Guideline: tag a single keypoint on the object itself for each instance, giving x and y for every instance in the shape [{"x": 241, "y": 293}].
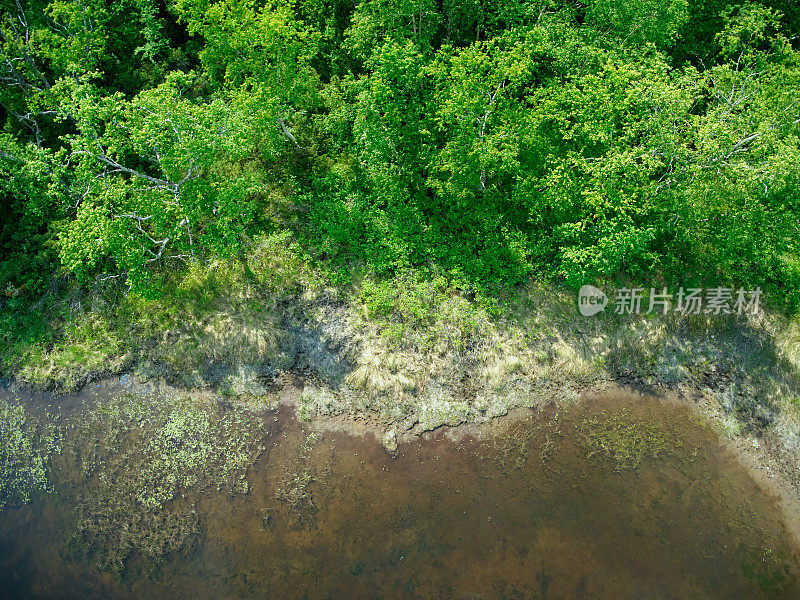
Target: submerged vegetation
[
  {"x": 336, "y": 512},
  {"x": 627, "y": 441},
  {"x": 294, "y": 487},
  {"x": 25, "y": 453},
  {"x": 142, "y": 463}
]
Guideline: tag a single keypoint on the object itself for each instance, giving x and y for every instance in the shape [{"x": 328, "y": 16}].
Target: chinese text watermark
[{"x": 686, "y": 301}]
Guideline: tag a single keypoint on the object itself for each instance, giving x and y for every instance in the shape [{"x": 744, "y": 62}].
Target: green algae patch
[
  {"x": 626, "y": 440},
  {"x": 26, "y": 446},
  {"x": 141, "y": 464}
]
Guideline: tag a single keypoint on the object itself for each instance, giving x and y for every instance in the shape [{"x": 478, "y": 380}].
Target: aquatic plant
[
  {"x": 293, "y": 489},
  {"x": 24, "y": 455},
  {"x": 145, "y": 460},
  {"x": 625, "y": 439},
  {"x": 771, "y": 571}
]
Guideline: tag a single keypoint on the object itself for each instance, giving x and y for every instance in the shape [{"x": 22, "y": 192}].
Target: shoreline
[{"x": 772, "y": 476}]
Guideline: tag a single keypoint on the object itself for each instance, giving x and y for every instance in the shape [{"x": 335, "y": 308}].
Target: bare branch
[
  {"x": 11, "y": 158},
  {"x": 118, "y": 168},
  {"x": 289, "y": 134}
]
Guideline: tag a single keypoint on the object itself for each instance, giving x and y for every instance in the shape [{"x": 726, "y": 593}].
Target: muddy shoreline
[{"x": 777, "y": 479}]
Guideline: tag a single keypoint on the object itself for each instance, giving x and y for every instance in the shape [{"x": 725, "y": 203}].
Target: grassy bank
[{"x": 413, "y": 353}]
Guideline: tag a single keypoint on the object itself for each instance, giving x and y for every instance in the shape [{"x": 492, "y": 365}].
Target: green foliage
[
  {"x": 184, "y": 204},
  {"x": 489, "y": 143},
  {"x": 636, "y": 23},
  {"x": 424, "y": 312},
  {"x": 279, "y": 265},
  {"x": 30, "y": 206}
]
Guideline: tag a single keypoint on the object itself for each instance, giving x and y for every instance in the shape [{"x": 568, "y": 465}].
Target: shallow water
[{"x": 522, "y": 514}]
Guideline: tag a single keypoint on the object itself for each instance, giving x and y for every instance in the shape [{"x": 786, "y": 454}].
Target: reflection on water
[{"x": 522, "y": 514}]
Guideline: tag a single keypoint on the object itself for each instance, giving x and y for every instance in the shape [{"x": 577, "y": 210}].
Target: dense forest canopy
[{"x": 489, "y": 142}]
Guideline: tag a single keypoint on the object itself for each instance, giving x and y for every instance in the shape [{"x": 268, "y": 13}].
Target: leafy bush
[{"x": 484, "y": 144}]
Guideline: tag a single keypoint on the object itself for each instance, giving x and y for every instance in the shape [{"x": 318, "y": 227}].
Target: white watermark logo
[
  {"x": 686, "y": 301},
  {"x": 591, "y": 300}
]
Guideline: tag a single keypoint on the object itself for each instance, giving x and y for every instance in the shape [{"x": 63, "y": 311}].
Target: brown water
[{"x": 521, "y": 514}]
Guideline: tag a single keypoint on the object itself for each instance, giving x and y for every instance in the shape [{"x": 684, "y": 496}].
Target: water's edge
[{"x": 375, "y": 518}]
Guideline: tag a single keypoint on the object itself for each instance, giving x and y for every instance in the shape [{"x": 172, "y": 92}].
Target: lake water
[{"x": 538, "y": 509}]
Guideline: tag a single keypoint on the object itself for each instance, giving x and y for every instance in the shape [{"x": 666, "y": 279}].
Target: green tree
[{"x": 153, "y": 188}]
